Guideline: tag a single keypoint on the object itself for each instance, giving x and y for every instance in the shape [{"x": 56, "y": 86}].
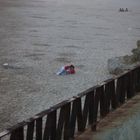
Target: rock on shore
[{"x": 120, "y": 64}]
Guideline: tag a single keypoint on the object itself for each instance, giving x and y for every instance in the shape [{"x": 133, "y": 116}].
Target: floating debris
[
  {"x": 5, "y": 65},
  {"x": 8, "y": 66}
]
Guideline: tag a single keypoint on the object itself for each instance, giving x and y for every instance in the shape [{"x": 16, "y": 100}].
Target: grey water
[{"x": 37, "y": 37}]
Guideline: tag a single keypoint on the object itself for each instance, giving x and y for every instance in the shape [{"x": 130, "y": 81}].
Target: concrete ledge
[{"x": 114, "y": 120}]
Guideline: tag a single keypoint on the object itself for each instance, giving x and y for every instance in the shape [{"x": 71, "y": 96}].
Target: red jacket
[{"x": 69, "y": 70}]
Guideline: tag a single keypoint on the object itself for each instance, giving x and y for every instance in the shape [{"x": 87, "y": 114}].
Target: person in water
[
  {"x": 120, "y": 9},
  {"x": 65, "y": 70},
  {"x": 126, "y": 10}
]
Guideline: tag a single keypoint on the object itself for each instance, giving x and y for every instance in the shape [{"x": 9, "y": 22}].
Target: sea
[{"x": 38, "y": 37}]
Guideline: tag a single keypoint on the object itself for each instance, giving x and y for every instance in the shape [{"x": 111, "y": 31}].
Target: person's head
[{"x": 71, "y": 66}]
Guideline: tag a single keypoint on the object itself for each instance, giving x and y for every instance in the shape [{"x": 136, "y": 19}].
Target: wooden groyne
[
  {"x": 71, "y": 117},
  {"x": 123, "y": 123}
]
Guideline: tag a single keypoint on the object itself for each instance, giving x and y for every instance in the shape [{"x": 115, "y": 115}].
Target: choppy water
[{"x": 37, "y": 37}]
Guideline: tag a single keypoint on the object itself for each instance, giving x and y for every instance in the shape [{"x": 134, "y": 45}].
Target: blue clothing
[{"x": 62, "y": 71}]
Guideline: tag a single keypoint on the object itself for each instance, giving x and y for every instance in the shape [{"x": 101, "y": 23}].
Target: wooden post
[
  {"x": 39, "y": 129},
  {"x": 113, "y": 95},
  {"x": 76, "y": 114},
  {"x": 86, "y": 110},
  {"x": 91, "y": 107},
  {"x": 50, "y": 127},
  {"x": 63, "y": 122},
  {"x": 17, "y": 134},
  {"x": 30, "y": 131},
  {"x": 67, "y": 121},
  {"x": 79, "y": 115},
  {"x": 96, "y": 104},
  {"x": 120, "y": 91},
  {"x": 138, "y": 79},
  {"x": 101, "y": 93}
]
